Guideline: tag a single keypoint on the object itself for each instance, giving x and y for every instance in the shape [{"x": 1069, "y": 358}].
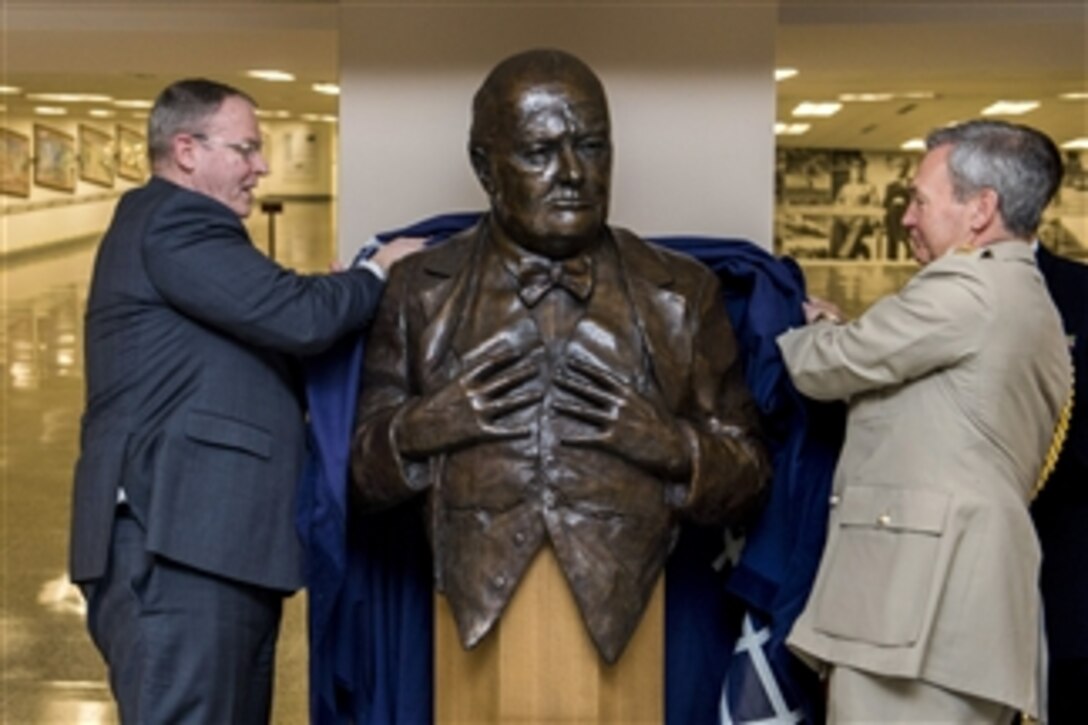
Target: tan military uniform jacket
[{"x": 931, "y": 565}]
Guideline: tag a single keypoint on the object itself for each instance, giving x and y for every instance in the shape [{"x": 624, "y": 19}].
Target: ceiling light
[
  {"x": 329, "y": 89},
  {"x": 813, "y": 108},
  {"x": 262, "y": 113},
  {"x": 1074, "y": 96},
  {"x": 279, "y": 76},
  {"x": 1009, "y": 108},
  {"x": 781, "y": 74},
  {"x": 865, "y": 97},
  {"x": 10, "y": 90},
  {"x": 50, "y": 111},
  {"x": 132, "y": 103},
  {"x": 1076, "y": 144},
  {"x": 70, "y": 97},
  {"x": 791, "y": 129},
  {"x": 102, "y": 113},
  {"x": 914, "y": 144},
  {"x": 324, "y": 117},
  {"x": 919, "y": 95}
]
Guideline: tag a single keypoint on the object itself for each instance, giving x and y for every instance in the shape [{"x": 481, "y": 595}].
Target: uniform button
[
  {"x": 519, "y": 538},
  {"x": 499, "y": 581},
  {"x": 884, "y": 520},
  {"x": 834, "y": 500}
]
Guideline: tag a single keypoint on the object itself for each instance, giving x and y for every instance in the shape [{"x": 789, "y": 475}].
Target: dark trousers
[{"x": 182, "y": 646}]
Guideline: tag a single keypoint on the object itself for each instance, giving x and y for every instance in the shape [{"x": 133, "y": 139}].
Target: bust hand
[
  {"x": 626, "y": 422},
  {"x": 469, "y": 409}
]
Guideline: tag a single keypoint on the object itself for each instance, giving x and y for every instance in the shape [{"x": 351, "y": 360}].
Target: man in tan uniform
[{"x": 926, "y": 604}]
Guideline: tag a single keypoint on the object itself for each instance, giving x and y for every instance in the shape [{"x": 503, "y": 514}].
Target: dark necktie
[{"x": 536, "y": 277}]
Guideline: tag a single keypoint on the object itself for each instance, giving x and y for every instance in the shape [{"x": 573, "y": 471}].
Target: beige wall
[{"x": 691, "y": 88}]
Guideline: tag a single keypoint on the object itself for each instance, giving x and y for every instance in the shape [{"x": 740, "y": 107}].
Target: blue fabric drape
[{"x": 369, "y": 580}]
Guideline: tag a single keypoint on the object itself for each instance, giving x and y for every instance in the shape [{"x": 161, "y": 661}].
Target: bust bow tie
[{"x": 537, "y": 276}]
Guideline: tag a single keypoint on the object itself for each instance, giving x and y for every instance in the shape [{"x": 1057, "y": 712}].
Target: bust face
[{"x": 550, "y": 166}]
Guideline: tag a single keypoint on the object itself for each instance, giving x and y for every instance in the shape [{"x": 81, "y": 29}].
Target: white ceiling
[{"x": 968, "y": 53}]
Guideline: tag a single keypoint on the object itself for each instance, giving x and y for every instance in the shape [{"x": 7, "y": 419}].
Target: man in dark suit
[
  {"x": 547, "y": 379},
  {"x": 1061, "y": 509},
  {"x": 183, "y": 534}
]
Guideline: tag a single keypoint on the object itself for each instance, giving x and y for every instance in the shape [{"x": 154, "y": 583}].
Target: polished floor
[{"x": 49, "y": 671}]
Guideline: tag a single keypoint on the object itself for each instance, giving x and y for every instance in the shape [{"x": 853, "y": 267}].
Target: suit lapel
[
  {"x": 660, "y": 313},
  {"x": 452, "y": 282}
]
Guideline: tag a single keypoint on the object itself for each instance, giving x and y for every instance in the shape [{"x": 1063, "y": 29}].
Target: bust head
[{"x": 541, "y": 147}]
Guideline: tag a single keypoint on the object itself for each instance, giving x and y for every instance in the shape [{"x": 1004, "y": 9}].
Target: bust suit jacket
[
  {"x": 1061, "y": 510},
  {"x": 954, "y": 385},
  {"x": 494, "y": 505},
  {"x": 194, "y": 403}
]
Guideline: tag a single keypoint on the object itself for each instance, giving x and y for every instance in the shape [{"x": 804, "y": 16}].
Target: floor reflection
[{"x": 49, "y": 671}]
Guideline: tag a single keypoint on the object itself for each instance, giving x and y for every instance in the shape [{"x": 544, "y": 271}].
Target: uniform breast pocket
[{"x": 884, "y": 565}]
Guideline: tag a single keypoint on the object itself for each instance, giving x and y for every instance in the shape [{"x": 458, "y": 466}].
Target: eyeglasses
[{"x": 246, "y": 149}]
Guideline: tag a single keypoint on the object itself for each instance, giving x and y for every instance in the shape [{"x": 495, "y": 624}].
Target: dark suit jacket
[
  {"x": 193, "y": 396},
  {"x": 609, "y": 522},
  {"x": 1061, "y": 510}
]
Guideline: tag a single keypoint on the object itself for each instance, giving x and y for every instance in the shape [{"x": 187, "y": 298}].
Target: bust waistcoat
[{"x": 494, "y": 506}]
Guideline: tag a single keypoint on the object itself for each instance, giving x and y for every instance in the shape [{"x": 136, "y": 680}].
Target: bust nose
[{"x": 571, "y": 169}]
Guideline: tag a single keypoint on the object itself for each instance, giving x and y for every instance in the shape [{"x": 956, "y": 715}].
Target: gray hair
[
  {"x": 184, "y": 107},
  {"x": 1021, "y": 164}
]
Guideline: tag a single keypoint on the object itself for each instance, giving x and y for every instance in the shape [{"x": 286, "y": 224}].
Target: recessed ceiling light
[
  {"x": 278, "y": 76},
  {"x": 329, "y": 89},
  {"x": 102, "y": 113},
  {"x": 1080, "y": 144},
  {"x": 781, "y": 74},
  {"x": 1074, "y": 96},
  {"x": 918, "y": 95},
  {"x": 820, "y": 109},
  {"x": 865, "y": 97},
  {"x": 263, "y": 113},
  {"x": 70, "y": 97},
  {"x": 50, "y": 111},
  {"x": 1009, "y": 108},
  {"x": 324, "y": 117},
  {"x": 132, "y": 103},
  {"x": 10, "y": 90},
  {"x": 791, "y": 129},
  {"x": 914, "y": 144}
]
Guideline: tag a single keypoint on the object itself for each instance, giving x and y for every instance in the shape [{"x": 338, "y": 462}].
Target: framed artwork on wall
[
  {"x": 55, "y": 162},
  {"x": 14, "y": 163},
  {"x": 96, "y": 157},
  {"x": 131, "y": 154}
]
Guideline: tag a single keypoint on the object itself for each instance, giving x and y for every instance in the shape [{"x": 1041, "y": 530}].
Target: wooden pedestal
[{"x": 538, "y": 665}]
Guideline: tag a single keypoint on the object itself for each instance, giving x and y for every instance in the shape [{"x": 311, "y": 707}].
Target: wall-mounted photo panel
[
  {"x": 97, "y": 160},
  {"x": 131, "y": 154},
  {"x": 14, "y": 163},
  {"x": 55, "y": 163}
]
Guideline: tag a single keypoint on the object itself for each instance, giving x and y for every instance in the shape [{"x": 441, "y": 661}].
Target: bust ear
[{"x": 482, "y": 166}]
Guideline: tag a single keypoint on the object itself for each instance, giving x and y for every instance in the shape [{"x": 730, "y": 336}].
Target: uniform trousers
[
  {"x": 862, "y": 697},
  {"x": 181, "y": 645}
]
